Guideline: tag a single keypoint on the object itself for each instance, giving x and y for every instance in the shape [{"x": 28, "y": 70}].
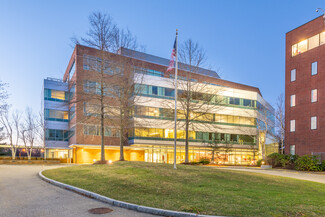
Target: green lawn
[{"x": 204, "y": 190}]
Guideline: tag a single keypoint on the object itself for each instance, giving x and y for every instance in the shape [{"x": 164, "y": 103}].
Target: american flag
[{"x": 172, "y": 58}]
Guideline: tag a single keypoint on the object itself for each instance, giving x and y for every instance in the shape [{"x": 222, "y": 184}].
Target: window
[
  {"x": 294, "y": 49},
  {"x": 111, "y": 132},
  {"x": 292, "y": 125},
  {"x": 91, "y": 87},
  {"x": 55, "y": 115},
  {"x": 292, "y": 149},
  {"x": 234, "y": 101},
  {"x": 313, "y": 123},
  {"x": 154, "y": 90},
  {"x": 148, "y": 71},
  {"x": 72, "y": 111},
  {"x": 91, "y": 130},
  {"x": 91, "y": 63},
  {"x": 248, "y": 102},
  {"x": 153, "y": 112},
  {"x": 313, "y": 42},
  {"x": 314, "y": 68},
  {"x": 292, "y": 100},
  {"x": 91, "y": 109},
  {"x": 308, "y": 44},
  {"x": 302, "y": 46},
  {"x": 314, "y": 95},
  {"x": 72, "y": 70},
  {"x": 322, "y": 38},
  {"x": 56, "y": 94},
  {"x": 233, "y": 137},
  {"x": 293, "y": 74},
  {"x": 57, "y": 135},
  {"x": 169, "y": 92}
]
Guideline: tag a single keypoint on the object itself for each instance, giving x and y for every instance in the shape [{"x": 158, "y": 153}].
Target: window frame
[
  {"x": 313, "y": 126},
  {"x": 311, "y": 95},
  {"x": 292, "y": 126},
  {"x": 291, "y": 101},
  {"x": 295, "y": 73},
  {"x": 312, "y": 67}
]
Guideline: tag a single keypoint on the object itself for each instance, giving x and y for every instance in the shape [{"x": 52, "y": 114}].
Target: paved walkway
[
  {"x": 24, "y": 194},
  {"x": 309, "y": 176}
]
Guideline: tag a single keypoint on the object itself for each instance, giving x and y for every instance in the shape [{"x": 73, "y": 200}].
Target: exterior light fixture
[{"x": 320, "y": 9}]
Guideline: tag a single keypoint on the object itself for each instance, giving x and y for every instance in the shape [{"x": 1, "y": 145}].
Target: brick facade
[
  {"x": 306, "y": 141},
  {"x": 80, "y": 75}
]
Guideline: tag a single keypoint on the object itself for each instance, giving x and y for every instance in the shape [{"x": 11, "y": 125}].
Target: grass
[{"x": 203, "y": 190}]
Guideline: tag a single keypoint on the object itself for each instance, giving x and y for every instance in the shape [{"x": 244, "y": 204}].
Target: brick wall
[{"x": 305, "y": 139}]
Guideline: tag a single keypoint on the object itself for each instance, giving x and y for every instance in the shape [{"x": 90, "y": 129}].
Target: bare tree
[
  {"x": 227, "y": 148},
  {"x": 280, "y": 121},
  {"x": 11, "y": 125},
  {"x": 123, "y": 38},
  {"x": 105, "y": 35},
  {"x": 112, "y": 92},
  {"x": 264, "y": 125},
  {"x": 194, "y": 101},
  {"x": 3, "y": 96},
  {"x": 3, "y": 105},
  {"x": 215, "y": 146},
  {"x": 41, "y": 131},
  {"x": 28, "y": 132}
]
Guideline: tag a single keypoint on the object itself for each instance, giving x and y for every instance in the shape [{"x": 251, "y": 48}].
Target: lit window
[
  {"x": 292, "y": 125},
  {"x": 292, "y": 149},
  {"x": 58, "y": 94},
  {"x": 65, "y": 115},
  {"x": 313, "y": 42},
  {"x": 302, "y": 46},
  {"x": 293, "y": 100},
  {"x": 322, "y": 38},
  {"x": 313, "y": 123},
  {"x": 293, "y": 74},
  {"x": 294, "y": 49},
  {"x": 314, "y": 68},
  {"x": 314, "y": 95}
]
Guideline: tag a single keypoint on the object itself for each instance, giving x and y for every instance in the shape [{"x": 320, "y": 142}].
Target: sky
[{"x": 244, "y": 39}]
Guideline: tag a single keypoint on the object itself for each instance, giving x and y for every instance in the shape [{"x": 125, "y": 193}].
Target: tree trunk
[
  {"x": 13, "y": 153},
  {"x": 121, "y": 146},
  {"x": 121, "y": 136},
  {"x": 186, "y": 141},
  {"x": 212, "y": 159},
  {"x": 102, "y": 157},
  {"x": 30, "y": 153}
]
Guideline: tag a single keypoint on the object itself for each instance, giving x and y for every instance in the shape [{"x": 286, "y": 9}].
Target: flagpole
[{"x": 175, "y": 111}]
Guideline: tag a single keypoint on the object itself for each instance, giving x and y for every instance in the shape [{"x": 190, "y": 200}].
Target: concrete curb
[{"x": 144, "y": 209}]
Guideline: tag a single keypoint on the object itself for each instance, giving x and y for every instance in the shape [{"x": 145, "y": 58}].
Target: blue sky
[{"x": 244, "y": 39}]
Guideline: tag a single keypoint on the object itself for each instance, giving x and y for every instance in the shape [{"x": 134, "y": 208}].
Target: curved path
[
  {"x": 24, "y": 194},
  {"x": 308, "y": 176}
]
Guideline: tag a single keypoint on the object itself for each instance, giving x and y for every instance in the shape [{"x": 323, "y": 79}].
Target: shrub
[
  {"x": 273, "y": 159},
  {"x": 204, "y": 161},
  {"x": 322, "y": 166},
  {"x": 191, "y": 163},
  {"x": 281, "y": 160},
  {"x": 308, "y": 163},
  {"x": 259, "y": 162}
]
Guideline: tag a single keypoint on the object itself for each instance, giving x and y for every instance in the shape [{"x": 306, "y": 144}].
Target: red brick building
[{"x": 305, "y": 88}]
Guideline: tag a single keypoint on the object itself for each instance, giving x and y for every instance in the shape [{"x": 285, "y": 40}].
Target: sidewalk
[
  {"x": 24, "y": 194},
  {"x": 309, "y": 176}
]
